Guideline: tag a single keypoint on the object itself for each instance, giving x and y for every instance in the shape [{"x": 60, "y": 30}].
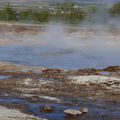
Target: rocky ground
[
  {"x": 57, "y": 82},
  {"x": 31, "y": 83}
]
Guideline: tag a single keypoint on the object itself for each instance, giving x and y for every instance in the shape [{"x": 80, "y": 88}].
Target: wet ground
[
  {"x": 98, "y": 110},
  {"x": 26, "y": 86}
]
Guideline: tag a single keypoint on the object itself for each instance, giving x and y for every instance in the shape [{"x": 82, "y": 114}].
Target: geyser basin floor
[
  {"x": 58, "y": 47},
  {"x": 29, "y": 91}
]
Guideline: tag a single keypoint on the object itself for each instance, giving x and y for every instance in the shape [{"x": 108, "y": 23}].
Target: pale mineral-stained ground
[{"x": 13, "y": 114}]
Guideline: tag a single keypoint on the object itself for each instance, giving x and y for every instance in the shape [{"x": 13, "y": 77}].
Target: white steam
[{"x": 65, "y": 46}]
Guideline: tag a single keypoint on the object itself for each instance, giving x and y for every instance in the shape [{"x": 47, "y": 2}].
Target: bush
[
  {"x": 27, "y": 15},
  {"x": 10, "y": 13},
  {"x": 43, "y": 16},
  {"x": 3, "y": 15},
  {"x": 66, "y": 12},
  {"x": 115, "y": 9},
  {"x": 69, "y": 13},
  {"x": 76, "y": 16}
]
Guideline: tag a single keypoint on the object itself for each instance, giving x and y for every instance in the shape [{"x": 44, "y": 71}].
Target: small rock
[
  {"x": 84, "y": 110},
  {"x": 47, "y": 109},
  {"x": 49, "y": 71},
  {"x": 112, "y": 69},
  {"x": 73, "y": 112}
]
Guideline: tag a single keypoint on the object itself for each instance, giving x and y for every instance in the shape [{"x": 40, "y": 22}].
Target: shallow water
[
  {"x": 2, "y": 77},
  {"x": 98, "y": 110},
  {"x": 57, "y": 49},
  {"x": 60, "y": 58}
]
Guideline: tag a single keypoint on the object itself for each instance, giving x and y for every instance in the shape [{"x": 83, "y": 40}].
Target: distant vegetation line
[{"x": 66, "y": 12}]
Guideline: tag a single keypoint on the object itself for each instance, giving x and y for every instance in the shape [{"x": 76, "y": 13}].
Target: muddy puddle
[{"x": 98, "y": 110}]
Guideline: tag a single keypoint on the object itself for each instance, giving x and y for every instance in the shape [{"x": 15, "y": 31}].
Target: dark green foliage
[
  {"x": 77, "y": 16},
  {"x": 69, "y": 13},
  {"x": 43, "y": 16},
  {"x": 10, "y": 13},
  {"x": 3, "y": 16},
  {"x": 115, "y": 9},
  {"x": 66, "y": 12},
  {"x": 27, "y": 15}
]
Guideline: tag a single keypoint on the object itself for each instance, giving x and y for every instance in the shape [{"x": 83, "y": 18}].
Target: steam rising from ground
[
  {"x": 57, "y": 36},
  {"x": 58, "y": 45}
]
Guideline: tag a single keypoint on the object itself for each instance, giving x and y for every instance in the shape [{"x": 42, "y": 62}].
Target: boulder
[
  {"x": 72, "y": 112},
  {"x": 112, "y": 69}
]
